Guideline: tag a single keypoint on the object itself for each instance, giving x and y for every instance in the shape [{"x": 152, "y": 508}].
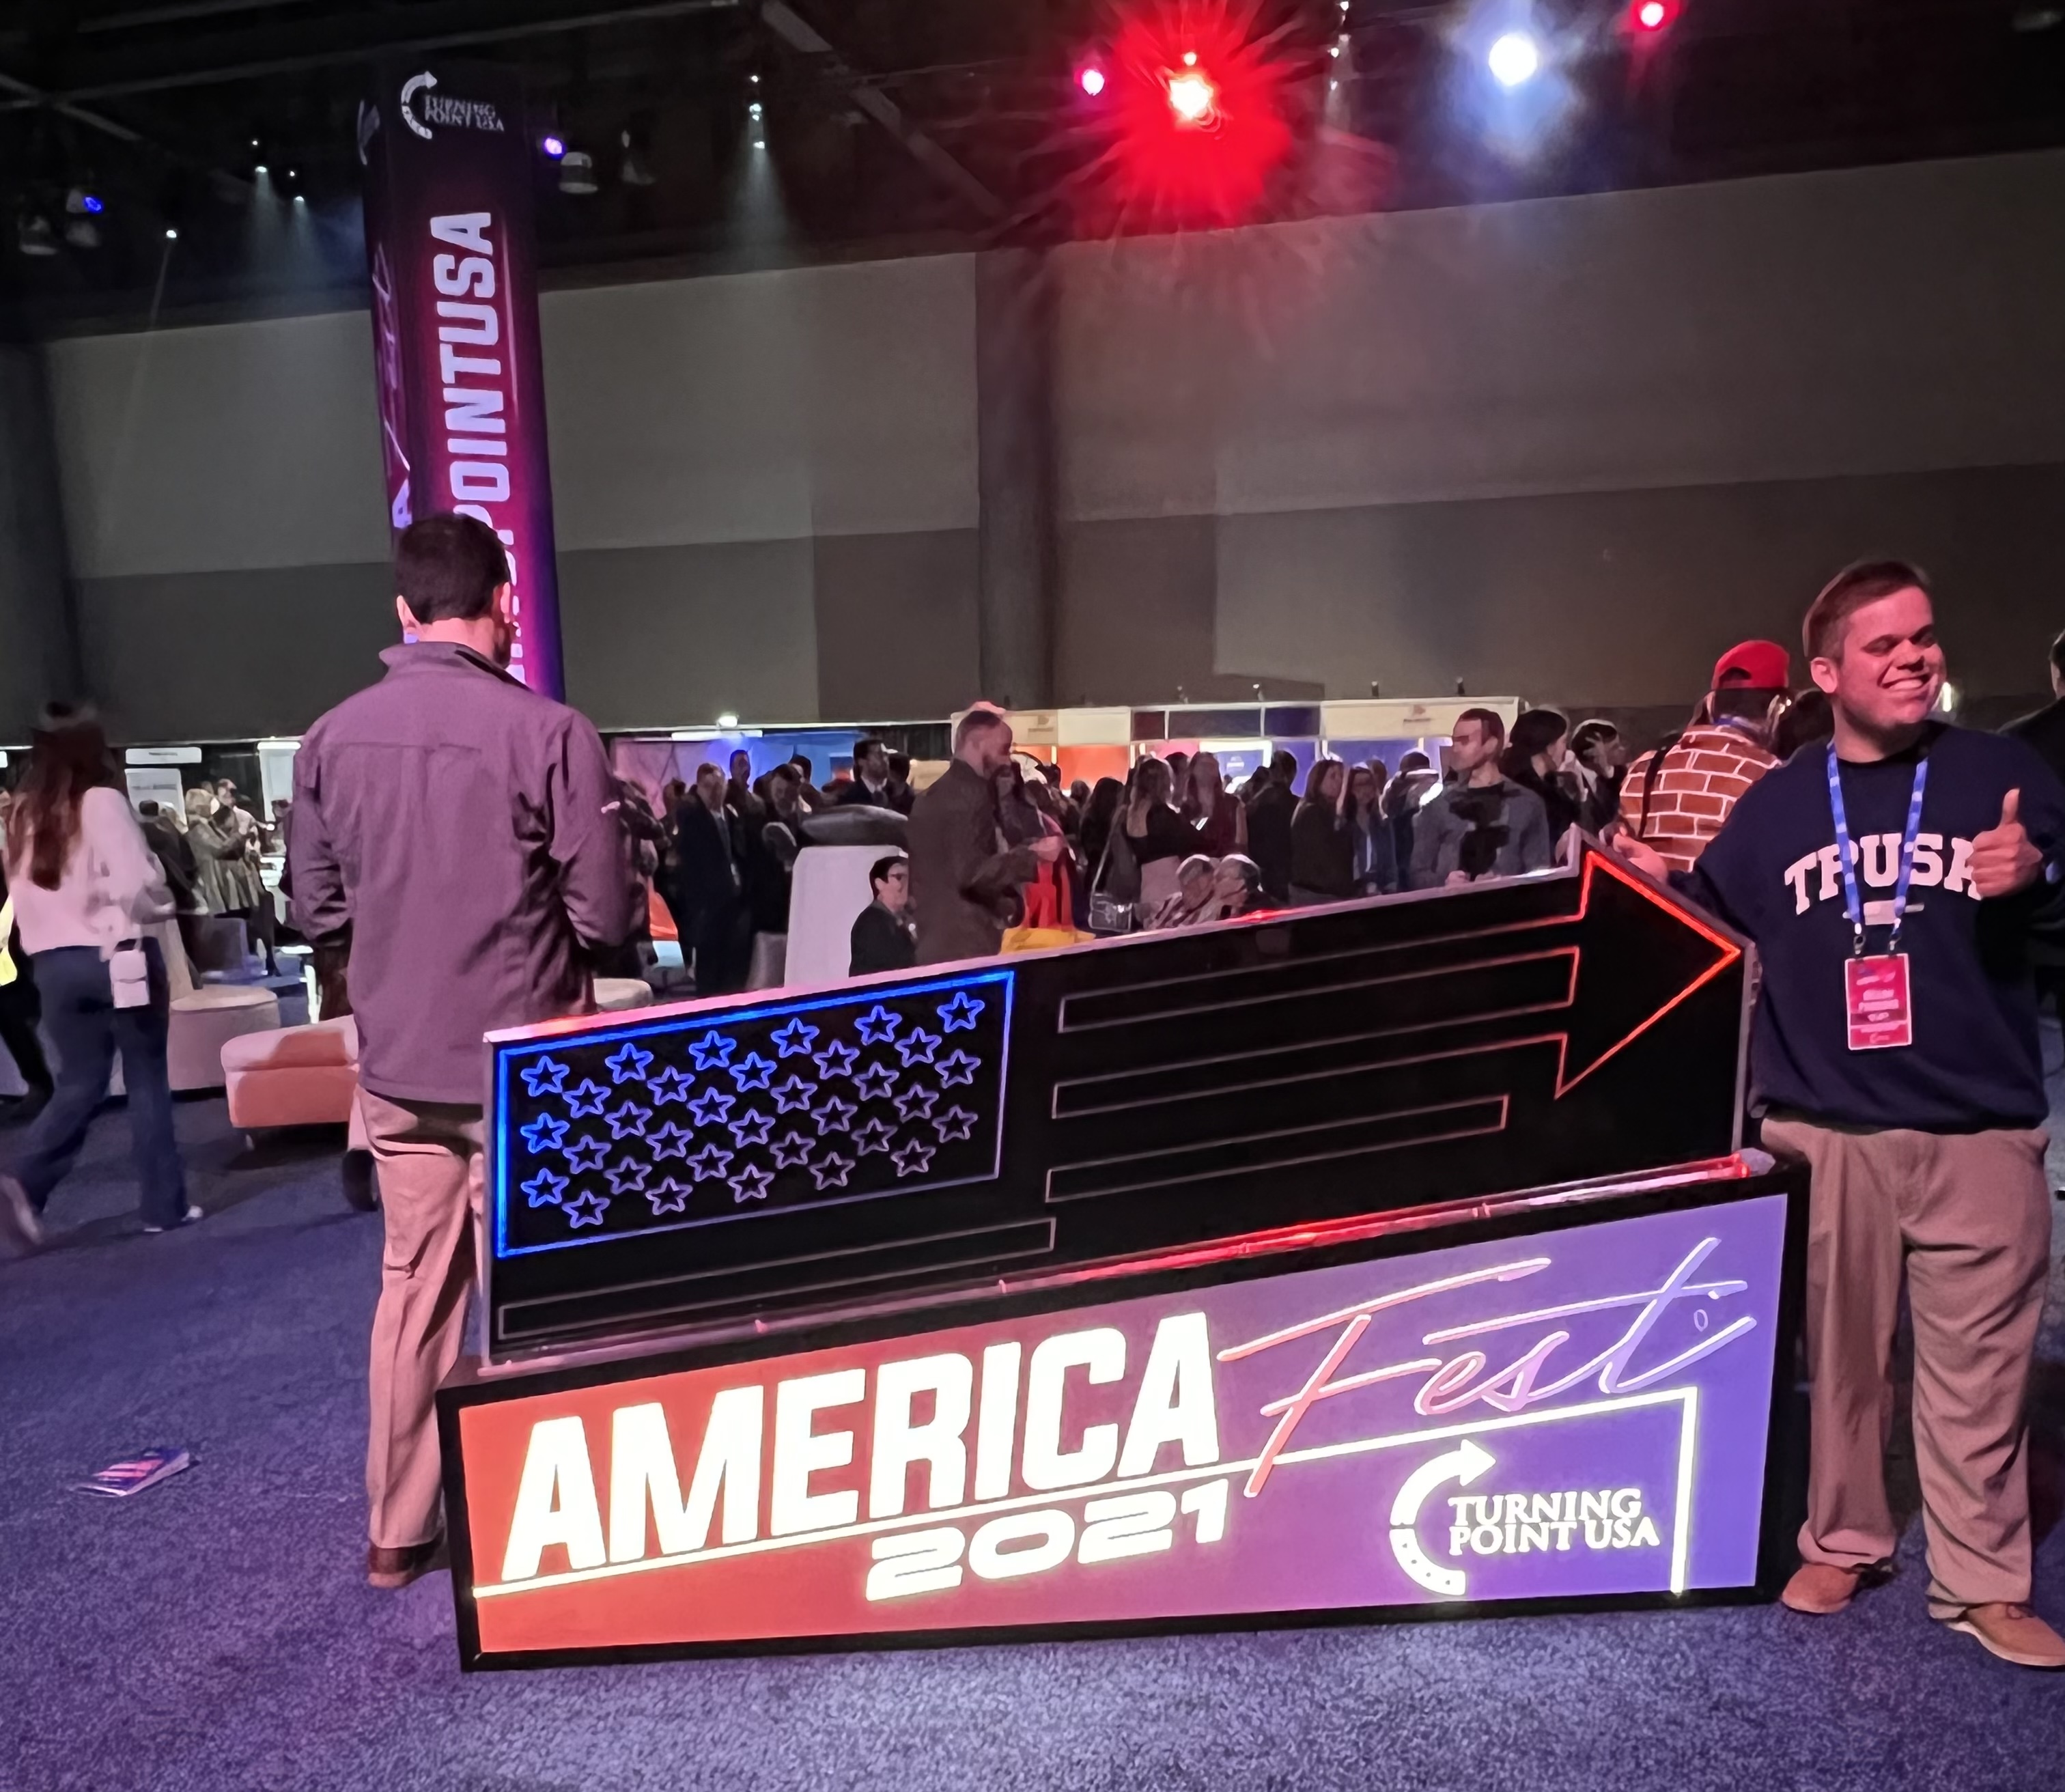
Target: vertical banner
[{"x": 449, "y": 247}]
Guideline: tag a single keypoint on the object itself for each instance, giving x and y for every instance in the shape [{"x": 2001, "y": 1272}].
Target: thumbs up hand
[{"x": 2003, "y": 859}]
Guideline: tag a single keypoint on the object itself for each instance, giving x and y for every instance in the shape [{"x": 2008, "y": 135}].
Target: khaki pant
[
  {"x": 428, "y": 1156},
  {"x": 1968, "y": 1217}
]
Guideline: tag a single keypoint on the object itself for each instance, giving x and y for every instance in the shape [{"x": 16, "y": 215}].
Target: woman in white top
[{"x": 85, "y": 886}]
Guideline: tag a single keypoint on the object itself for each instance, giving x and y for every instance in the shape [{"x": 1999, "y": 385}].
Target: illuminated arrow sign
[
  {"x": 1130, "y": 1097},
  {"x": 1464, "y": 1464}
]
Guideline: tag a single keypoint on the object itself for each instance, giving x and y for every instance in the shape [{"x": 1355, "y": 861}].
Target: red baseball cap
[{"x": 1760, "y": 664}]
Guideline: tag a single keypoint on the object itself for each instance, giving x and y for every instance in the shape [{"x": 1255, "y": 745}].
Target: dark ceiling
[{"x": 905, "y": 125}]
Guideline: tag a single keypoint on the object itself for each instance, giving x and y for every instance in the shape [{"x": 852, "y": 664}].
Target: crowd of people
[{"x": 1902, "y": 878}]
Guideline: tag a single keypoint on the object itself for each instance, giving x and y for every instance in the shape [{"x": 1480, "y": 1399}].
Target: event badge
[{"x": 1876, "y": 992}]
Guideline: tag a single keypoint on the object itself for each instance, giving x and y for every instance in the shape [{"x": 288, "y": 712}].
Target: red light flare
[
  {"x": 1649, "y": 16},
  {"x": 1197, "y": 106}
]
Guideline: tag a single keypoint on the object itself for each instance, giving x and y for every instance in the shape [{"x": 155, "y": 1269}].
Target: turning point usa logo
[{"x": 422, "y": 107}]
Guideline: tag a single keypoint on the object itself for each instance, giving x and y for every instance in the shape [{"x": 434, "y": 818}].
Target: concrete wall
[
  {"x": 765, "y": 487},
  {"x": 38, "y": 646},
  {"x": 1575, "y": 445},
  {"x": 1572, "y": 448}
]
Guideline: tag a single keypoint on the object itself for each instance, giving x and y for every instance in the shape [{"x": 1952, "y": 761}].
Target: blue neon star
[
  {"x": 751, "y": 1127},
  {"x": 792, "y": 1151},
  {"x": 627, "y": 1176},
  {"x": 752, "y": 1072},
  {"x": 958, "y": 1016},
  {"x": 876, "y": 1080},
  {"x": 626, "y": 1120},
  {"x": 585, "y": 1101},
  {"x": 955, "y": 1123},
  {"x": 915, "y": 1102},
  {"x": 668, "y": 1197},
  {"x": 750, "y": 1184},
  {"x": 871, "y": 1135},
  {"x": 957, "y": 1066},
  {"x": 831, "y": 1170},
  {"x": 914, "y": 1159},
  {"x": 671, "y": 1084},
  {"x": 546, "y": 1133},
  {"x": 714, "y": 1050},
  {"x": 918, "y": 1048},
  {"x": 545, "y": 1190},
  {"x": 586, "y": 1208},
  {"x": 877, "y": 1024},
  {"x": 837, "y": 1059},
  {"x": 546, "y": 1077},
  {"x": 628, "y": 1062},
  {"x": 710, "y": 1164},
  {"x": 670, "y": 1140},
  {"x": 795, "y": 1039},
  {"x": 792, "y": 1093},
  {"x": 712, "y": 1106},
  {"x": 835, "y": 1116},
  {"x": 585, "y": 1154}
]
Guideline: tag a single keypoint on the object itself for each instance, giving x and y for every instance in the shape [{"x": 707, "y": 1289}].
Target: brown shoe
[
  {"x": 389, "y": 1569},
  {"x": 1820, "y": 1589},
  {"x": 2015, "y": 1634}
]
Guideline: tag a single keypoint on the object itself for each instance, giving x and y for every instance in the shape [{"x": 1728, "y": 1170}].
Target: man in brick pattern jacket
[{"x": 1676, "y": 798}]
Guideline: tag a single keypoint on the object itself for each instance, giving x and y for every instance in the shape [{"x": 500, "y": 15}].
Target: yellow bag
[
  {"x": 8, "y": 974},
  {"x": 1041, "y": 939}
]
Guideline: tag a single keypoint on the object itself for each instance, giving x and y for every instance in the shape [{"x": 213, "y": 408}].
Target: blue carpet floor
[{"x": 215, "y": 1632}]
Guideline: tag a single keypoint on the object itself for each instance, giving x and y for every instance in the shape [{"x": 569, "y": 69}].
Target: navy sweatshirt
[{"x": 1772, "y": 873}]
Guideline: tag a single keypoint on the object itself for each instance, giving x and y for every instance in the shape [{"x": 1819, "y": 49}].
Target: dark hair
[
  {"x": 1282, "y": 765},
  {"x": 68, "y": 756},
  {"x": 1537, "y": 731},
  {"x": 866, "y": 747},
  {"x": 978, "y": 720},
  {"x": 706, "y": 769},
  {"x": 1812, "y": 718},
  {"x": 1587, "y": 735},
  {"x": 448, "y": 567},
  {"x": 1745, "y": 702},
  {"x": 899, "y": 766},
  {"x": 1489, "y": 720},
  {"x": 1850, "y": 590},
  {"x": 878, "y": 872},
  {"x": 802, "y": 763},
  {"x": 785, "y": 772},
  {"x": 1414, "y": 760},
  {"x": 1316, "y": 779}
]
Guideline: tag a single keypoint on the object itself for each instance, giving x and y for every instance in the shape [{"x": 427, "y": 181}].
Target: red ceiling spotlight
[
  {"x": 1090, "y": 79},
  {"x": 1652, "y": 16},
  {"x": 1197, "y": 104}
]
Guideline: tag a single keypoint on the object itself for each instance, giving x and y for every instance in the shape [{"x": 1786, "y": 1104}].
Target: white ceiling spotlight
[{"x": 1514, "y": 59}]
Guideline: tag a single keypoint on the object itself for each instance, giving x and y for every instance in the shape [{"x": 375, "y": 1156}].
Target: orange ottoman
[{"x": 296, "y": 1076}]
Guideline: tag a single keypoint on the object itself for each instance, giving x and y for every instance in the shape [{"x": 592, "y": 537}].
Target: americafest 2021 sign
[{"x": 1578, "y": 1412}]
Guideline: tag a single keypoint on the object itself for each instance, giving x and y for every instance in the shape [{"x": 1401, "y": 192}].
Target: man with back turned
[{"x": 465, "y": 831}]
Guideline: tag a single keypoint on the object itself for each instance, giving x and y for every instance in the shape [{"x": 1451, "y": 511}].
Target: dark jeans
[
  {"x": 19, "y": 1012},
  {"x": 86, "y": 1027}
]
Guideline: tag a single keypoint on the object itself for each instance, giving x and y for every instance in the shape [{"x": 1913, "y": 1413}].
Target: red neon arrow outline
[{"x": 1730, "y": 953}]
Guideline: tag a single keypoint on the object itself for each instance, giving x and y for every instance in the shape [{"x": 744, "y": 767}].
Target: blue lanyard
[{"x": 1853, "y": 905}]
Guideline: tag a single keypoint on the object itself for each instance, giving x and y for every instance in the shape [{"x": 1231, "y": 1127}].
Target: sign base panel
[{"x": 1583, "y": 1401}]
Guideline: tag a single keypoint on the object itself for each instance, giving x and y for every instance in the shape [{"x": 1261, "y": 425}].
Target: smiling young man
[{"x": 1891, "y": 884}]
